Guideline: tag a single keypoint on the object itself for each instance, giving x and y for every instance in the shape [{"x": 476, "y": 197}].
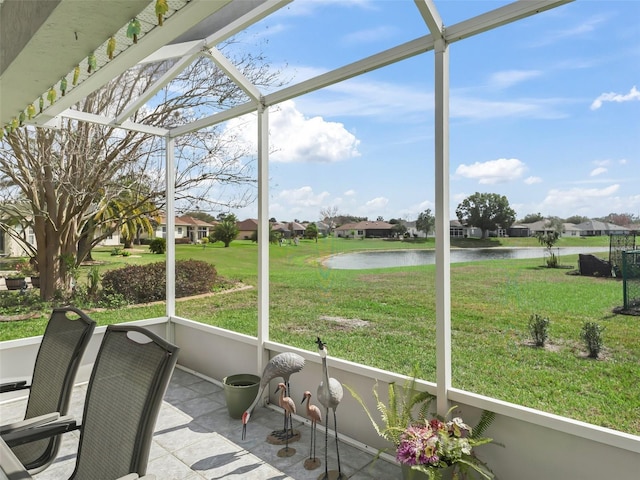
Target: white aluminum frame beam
[
  {"x": 430, "y": 16},
  {"x": 498, "y": 17},
  {"x": 169, "y": 75},
  {"x": 236, "y": 75},
  {"x": 100, "y": 120}
]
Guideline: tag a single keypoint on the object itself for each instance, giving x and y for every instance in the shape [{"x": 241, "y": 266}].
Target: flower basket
[
  {"x": 14, "y": 283},
  {"x": 35, "y": 282},
  {"x": 428, "y": 447}
]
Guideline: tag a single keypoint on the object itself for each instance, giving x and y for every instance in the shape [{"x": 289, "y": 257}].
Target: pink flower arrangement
[{"x": 437, "y": 444}]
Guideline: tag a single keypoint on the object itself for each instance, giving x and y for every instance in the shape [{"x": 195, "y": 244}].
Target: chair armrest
[
  {"x": 62, "y": 425},
  {"x": 13, "y": 386},
  {"x": 29, "y": 423}
]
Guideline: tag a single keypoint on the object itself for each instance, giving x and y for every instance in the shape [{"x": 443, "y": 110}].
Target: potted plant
[
  {"x": 428, "y": 446},
  {"x": 14, "y": 281}
]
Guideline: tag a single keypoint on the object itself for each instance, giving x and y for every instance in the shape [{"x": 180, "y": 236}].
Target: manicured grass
[{"x": 386, "y": 318}]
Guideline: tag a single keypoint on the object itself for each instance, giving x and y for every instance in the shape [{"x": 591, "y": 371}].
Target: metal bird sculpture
[
  {"x": 313, "y": 414},
  {"x": 289, "y": 407},
  {"x": 282, "y": 366},
  {"x": 329, "y": 395}
]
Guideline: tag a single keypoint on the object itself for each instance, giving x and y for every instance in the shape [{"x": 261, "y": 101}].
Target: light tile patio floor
[{"x": 196, "y": 439}]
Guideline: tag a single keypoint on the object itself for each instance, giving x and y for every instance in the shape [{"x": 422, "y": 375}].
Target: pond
[{"x": 408, "y": 258}]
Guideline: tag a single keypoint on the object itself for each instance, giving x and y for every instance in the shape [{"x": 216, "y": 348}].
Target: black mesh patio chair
[
  {"x": 65, "y": 339},
  {"x": 128, "y": 381}
]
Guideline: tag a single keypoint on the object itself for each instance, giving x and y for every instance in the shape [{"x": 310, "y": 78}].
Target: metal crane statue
[
  {"x": 313, "y": 414},
  {"x": 329, "y": 395},
  {"x": 289, "y": 407},
  {"x": 282, "y": 366}
]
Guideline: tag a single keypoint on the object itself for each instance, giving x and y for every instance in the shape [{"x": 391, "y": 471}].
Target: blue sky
[{"x": 545, "y": 111}]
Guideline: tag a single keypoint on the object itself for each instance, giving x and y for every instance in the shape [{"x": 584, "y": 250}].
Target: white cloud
[
  {"x": 576, "y": 199},
  {"x": 532, "y": 180},
  {"x": 583, "y": 29},
  {"x": 602, "y": 163},
  {"x": 349, "y": 193},
  {"x": 296, "y": 138},
  {"x": 302, "y": 197},
  {"x": 597, "y": 171},
  {"x": 370, "y": 35},
  {"x": 494, "y": 171},
  {"x": 634, "y": 94},
  {"x": 508, "y": 78},
  {"x": 379, "y": 202},
  {"x": 469, "y": 107},
  {"x": 360, "y": 97}
]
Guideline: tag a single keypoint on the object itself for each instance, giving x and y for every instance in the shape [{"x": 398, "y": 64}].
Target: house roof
[
  {"x": 248, "y": 224},
  {"x": 366, "y": 225},
  {"x": 186, "y": 220},
  {"x": 597, "y": 225}
]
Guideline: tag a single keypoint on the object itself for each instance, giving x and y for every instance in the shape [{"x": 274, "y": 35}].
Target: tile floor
[{"x": 196, "y": 439}]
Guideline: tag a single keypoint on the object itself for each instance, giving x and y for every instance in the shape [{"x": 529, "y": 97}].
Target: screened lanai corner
[{"x": 30, "y": 71}]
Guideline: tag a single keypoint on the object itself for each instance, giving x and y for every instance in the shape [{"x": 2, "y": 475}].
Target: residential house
[
  {"x": 596, "y": 228},
  {"x": 413, "y": 231},
  {"x": 324, "y": 229},
  {"x": 519, "y": 230},
  {"x": 247, "y": 229},
  {"x": 458, "y": 230},
  {"x": 186, "y": 227},
  {"x": 570, "y": 230},
  {"x": 289, "y": 229},
  {"x": 365, "y": 229}
]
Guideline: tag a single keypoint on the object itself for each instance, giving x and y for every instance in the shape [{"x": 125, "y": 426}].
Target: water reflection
[{"x": 407, "y": 258}]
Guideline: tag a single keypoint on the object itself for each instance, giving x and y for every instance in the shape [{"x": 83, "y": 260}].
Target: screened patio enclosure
[{"x": 528, "y": 435}]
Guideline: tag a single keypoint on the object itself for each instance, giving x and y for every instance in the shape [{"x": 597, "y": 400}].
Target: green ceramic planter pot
[{"x": 239, "y": 392}]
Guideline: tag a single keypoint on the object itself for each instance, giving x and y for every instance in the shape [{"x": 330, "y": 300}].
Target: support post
[
  {"x": 263, "y": 234},
  {"x": 170, "y": 212},
  {"x": 443, "y": 271}
]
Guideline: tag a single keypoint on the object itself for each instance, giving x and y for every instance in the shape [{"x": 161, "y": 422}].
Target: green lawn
[{"x": 386, "y": 318}]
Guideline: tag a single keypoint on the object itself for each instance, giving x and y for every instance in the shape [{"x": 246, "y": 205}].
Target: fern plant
[{"x": 398, "y": 414}]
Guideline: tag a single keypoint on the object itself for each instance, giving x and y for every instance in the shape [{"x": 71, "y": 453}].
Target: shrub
[
  {"x": 592, "y": 336},
  {"x": 116, "y": 251},
  {"x": 539, "y": 329},
  {"x": 147, "y": 283},
  {"x": 158, "y": 245},
  {"x": 93, "y": 281}
]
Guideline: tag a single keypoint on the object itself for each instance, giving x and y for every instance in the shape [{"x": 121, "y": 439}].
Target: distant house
[
  {"x": 365, "y": 229},
  {"x": 187, "y": 227},
  {"x": 324, "y": 229},
  {"x": 570, "y": 230},
  {"x": 413, "y": 231},
  {"x": 530, "y": 229},
  {"x": 458, "y": 230},
  {"x": 9, "y": 247},
  {"x": 289, "y": 229},
  {"x": 596, "y": 228},
  {"x": 247, "y": 229}
]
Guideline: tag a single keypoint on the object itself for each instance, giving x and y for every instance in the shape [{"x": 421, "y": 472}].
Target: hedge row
[{"x": 147, "y": 283}]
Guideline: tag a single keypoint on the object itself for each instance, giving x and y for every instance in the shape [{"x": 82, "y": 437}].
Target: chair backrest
[
  {"x": 65, "y": 339},
  {"x": 124, "y": 395}
]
